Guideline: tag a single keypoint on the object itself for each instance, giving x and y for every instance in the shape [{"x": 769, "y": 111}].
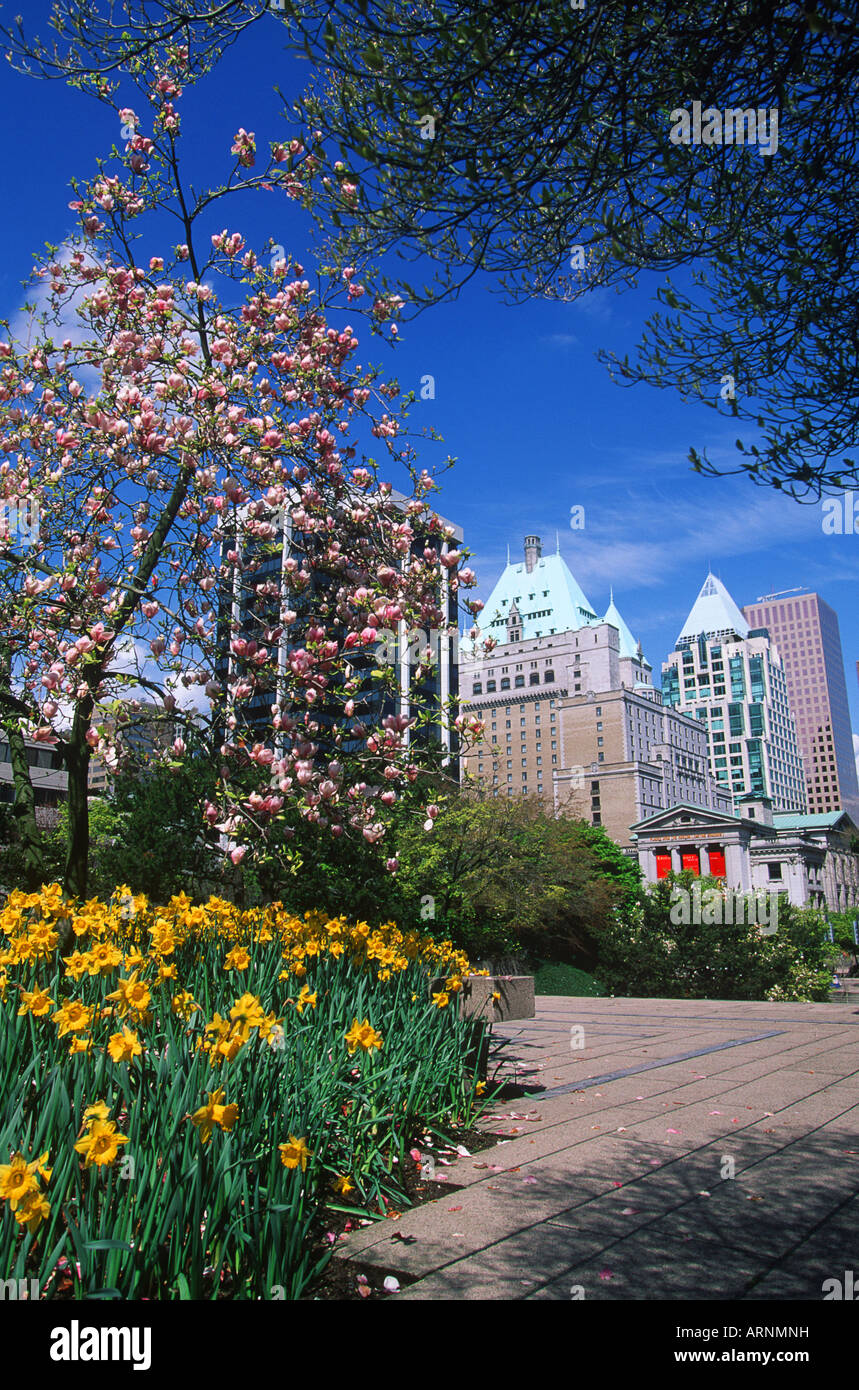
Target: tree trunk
[{"x": 77, "y": 766}]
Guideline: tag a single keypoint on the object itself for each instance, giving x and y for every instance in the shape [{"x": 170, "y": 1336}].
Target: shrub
[{"x": 643, "y": 952}]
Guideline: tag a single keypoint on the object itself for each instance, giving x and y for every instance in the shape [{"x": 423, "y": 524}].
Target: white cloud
[{"x": 67, "y": 323}]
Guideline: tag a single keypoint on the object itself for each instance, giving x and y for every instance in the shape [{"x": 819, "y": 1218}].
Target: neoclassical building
[{"x": 813, "y": 859}]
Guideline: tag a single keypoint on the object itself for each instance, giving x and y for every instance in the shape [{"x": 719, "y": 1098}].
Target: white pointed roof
[{"x": 714, "y": 613}]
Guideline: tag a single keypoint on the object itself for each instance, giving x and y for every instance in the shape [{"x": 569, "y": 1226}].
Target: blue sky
[{"x": 534, "y": 421}]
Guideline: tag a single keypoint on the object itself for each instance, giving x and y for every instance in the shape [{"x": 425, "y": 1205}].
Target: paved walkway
[{"x": 612, "y": 1175}]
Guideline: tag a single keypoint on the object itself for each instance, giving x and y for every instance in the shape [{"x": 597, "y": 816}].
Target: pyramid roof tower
[
  {"x": 714, "y": 614},
  {"x": 628, "y": 644},
  {"x": 545, "y": 592}
]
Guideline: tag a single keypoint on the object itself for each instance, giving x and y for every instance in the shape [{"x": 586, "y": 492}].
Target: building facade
[
  {"x": 570, "y": 710},
  {"x": 629, "y": 756},
  {"x": 805, "y": 630},
  {"x": 730, "y": 677},
  {"x": 811, "y": 858},
  {"x": 48, "y": 778}
]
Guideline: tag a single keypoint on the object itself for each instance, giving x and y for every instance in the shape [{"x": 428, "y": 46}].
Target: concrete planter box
[{"x": 516, "y": 996}]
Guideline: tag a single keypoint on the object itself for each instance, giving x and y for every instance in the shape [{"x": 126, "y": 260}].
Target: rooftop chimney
[{"x": 533, "y": 551}]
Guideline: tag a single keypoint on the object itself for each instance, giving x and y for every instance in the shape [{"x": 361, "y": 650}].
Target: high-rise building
[
  {"x": 570, "y": 710},
  {"x": 805, "y": 630},
  {"x": 730, "y": 677},
  {"x": 255, "y": 601}
]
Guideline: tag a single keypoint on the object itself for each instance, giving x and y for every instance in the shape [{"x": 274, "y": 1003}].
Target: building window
[
  {"x": 548, "y": 676},
  {"x": 519, "y": 682},
  {"x": 490, "y": 686},
  {"x": 505, "y": 683},
  {"x": 477, "y": 688},
  {"x": 534, "y": 678}
]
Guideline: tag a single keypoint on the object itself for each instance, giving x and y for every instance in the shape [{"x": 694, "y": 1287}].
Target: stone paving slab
[{"x": 606, "y": 1195}]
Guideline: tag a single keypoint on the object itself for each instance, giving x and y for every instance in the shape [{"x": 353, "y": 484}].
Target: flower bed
[{"x": 185, "y": 1088}]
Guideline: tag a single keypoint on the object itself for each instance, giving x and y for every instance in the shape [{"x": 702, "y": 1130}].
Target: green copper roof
[
  {"x": 628, "y": 644},
  {"x": 549, "y": 599},
  {"x": 788, "y": 820}
]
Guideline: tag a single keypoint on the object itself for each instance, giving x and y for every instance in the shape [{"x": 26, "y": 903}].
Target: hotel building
[{"x": 570, "y": 710}]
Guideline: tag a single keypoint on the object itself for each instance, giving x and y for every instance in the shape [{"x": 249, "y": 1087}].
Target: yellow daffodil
[
  {"x": 98, "y": 1111},
  {"x": 101, "y": 1143},
  {"x": 343, "y": 1185},
  {"x": 184, "y": 1004},
  {"x": 33, "y": 1209},
  {"x": 246, "y": 1013},
  {"x": 18, "y": 1178},
  {"x": 36, "y": 1002},
  {"x": 103, "y": 958},
  {"x": 305, "y": 999},
  {"x": 131, "y": 995},
  {"x": 441, "y": 1000},
  {"x": 73, "y": 1017},
  {"x": 76, "y": 964},
  {"x": 238, "y": 959},
  {"x": 124, "y": 1047},
  {"x": 214, "y": 1113},
  {"x": 363, "y": 1036},
  {"x": 294, "y": 1153}
]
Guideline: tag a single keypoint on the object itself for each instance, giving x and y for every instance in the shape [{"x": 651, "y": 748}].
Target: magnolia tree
[{"x": 175, "y": 418}]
